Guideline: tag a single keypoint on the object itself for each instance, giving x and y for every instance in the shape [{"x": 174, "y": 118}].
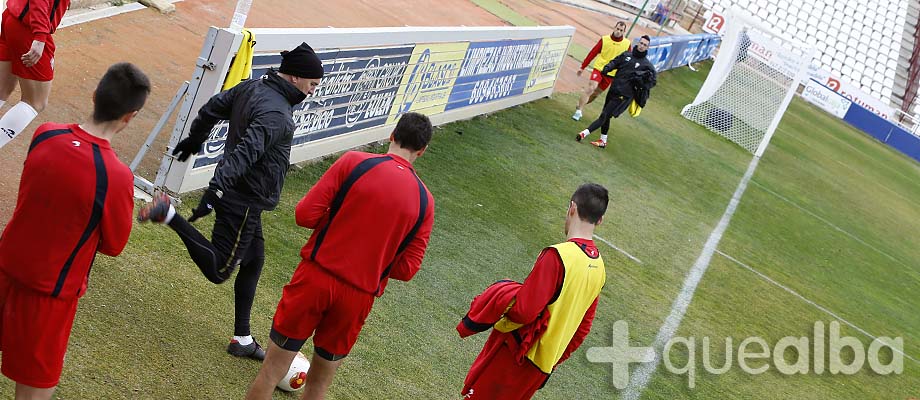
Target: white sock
[
  {"x": 15, "y": 120},
  {"x": 584, "y": 133},
  {"x": 243, "y": 340},
  {"x": 170, "y": 214},
  {"x": 604, "y": 138}
]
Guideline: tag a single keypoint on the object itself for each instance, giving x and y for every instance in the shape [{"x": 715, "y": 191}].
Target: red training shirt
[
  {"x": 75, "y": 198},
  {"x": 595, "y": 51},
  {"x": 42, "y": 16},
  {"x": 377, "y": 212},
  {"x": 543, "y": 286}
]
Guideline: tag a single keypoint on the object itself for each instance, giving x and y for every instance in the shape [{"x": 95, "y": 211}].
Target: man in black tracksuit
[
  {"x": 634, "y": 79},
  {"x": 247, "y": 180}
]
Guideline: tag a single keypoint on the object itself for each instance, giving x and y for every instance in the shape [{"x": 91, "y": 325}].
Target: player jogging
[
  {"x": 606, "y": 49},
  {"x": 27, "y": 59}
]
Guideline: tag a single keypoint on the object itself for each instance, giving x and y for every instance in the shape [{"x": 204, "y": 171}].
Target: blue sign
[
  {"x": 492, "y": 71},
  {"x": 669, "y": 52},
  {"x": 883, "y": 130}
]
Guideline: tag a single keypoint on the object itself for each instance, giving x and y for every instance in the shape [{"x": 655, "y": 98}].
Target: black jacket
[
  {"x": 258, "y": 149},
  {"x": 635, "y": 77}
]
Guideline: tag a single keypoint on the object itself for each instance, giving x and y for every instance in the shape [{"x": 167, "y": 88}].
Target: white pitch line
[
  {"x": 816, "y": 305},
  {"x": 829, "y": 223},
  {"x": 618, "y": 249},
  {"x": 643, "y": 374}
]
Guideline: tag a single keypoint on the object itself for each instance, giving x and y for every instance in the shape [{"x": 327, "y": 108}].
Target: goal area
[{"x": 751, "y": 83}]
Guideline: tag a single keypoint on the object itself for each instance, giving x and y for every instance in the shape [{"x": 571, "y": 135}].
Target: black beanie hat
[{"x": 301, "y": 62}]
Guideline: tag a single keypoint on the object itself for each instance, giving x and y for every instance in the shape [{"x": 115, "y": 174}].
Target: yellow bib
[
  {"x": 584, "y": 278},
  {"x": 609, "y": 51},
  {"x": 241, "y": 66},
  {"x": 634, "y": 109}
]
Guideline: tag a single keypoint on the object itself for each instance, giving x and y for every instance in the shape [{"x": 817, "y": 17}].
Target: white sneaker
[{"x": 577, "y": 115}]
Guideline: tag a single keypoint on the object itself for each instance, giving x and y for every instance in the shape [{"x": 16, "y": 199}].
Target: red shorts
[
  {"x": 496, "y": 374},
  {"x": 16, "y": 40},
  {"x": 318, "y": 302},
  {"x": 34, "y": 329},
  {"x": 603, "y": 81}
]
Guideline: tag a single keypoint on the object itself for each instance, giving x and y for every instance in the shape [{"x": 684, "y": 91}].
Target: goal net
[{"x": 751, "y": 83}]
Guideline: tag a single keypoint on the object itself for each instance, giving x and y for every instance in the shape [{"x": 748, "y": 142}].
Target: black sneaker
[
  {"x": 252, "y": 350},
  {"x": 156, "y": 210}
]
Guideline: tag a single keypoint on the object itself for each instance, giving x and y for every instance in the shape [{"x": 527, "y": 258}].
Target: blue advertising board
[
  {"x": 669, "y": 52},
  {"x": 493, "y": 70}
]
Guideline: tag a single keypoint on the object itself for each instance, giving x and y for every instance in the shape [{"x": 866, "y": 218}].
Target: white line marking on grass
[
  {"x": 816, "y": 305},
  {"x": 643, "y": 374},
  {"x": 618, "y": 249},
  {"x": 837, "y": 228}
]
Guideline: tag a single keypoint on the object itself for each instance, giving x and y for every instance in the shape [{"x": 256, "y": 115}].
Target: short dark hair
[
  {"x": 413, "y": 131},
  {"x": 591, "y": 202},
  {"x": 122, "y": 90},
  {"x": 620, "y": 23},
  {"x": 645, "y": 37}
]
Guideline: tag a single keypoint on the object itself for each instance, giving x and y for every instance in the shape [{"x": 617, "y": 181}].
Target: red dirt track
[{"x": 166, "y": 46}]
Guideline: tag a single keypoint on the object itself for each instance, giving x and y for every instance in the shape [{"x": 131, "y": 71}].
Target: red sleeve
[
  {"x": 40, "y": 19},
  {"x": 410, "y": 261},
  {"x": 118, "y": 214},
  {"x": 541, "y": 286},
  {"x": 593, "y": 53},
  {"x": 313, "y": 209},
  {"x": 581, "y": 333}
]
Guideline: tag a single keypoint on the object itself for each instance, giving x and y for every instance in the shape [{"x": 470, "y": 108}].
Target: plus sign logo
[{"x": 620, "y": 354}]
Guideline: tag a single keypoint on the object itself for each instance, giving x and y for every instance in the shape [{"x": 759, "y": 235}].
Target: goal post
[{"x": 752, "y": 81}]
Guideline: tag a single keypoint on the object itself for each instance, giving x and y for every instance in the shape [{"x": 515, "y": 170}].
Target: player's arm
[
  {"x": 217, "y": 108},
  {"x": 313, "y": 209},
  {"x": 263, "y": 132},
  {"x": 616, "y": 63},
  {"x": 652, "y": 79},
  {"x": 39, "y": 20},
  {"x": 591, "y": 54},
  {"x": 541, "y": 287},
  {"x": 583, "y": 328},
  {"x": 409, "y": 262},
  {"x": 117, "y": 216}
]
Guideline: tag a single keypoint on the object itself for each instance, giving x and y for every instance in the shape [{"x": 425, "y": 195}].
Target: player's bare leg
[
  {"x": 26, "y": 392},
  {"x": 8, "y": 81},
  {"x": 34, "y": 100},
  {"x": 276, "y": 364},
  {"x": 319, "y": 378},
  {"x": 35, "y": 93},
  {"x": 587, "y": 96}
]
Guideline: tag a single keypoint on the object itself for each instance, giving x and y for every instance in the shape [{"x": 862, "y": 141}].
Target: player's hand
[
  {"x": 34, "y": 54},
  {"x": 579, "y": 72},
  {"x": 208, "y": 200},
  {"x": 185, "y": 148}
]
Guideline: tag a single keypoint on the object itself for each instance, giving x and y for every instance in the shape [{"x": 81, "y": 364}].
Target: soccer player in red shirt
[
  {"x": 27, "y": 58},
  {"x": 525, "y": 345},
  {"x": 371, "y": 217},
  {"x": 46, "y": 254},
  {"x": 606, "y": 49}
]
